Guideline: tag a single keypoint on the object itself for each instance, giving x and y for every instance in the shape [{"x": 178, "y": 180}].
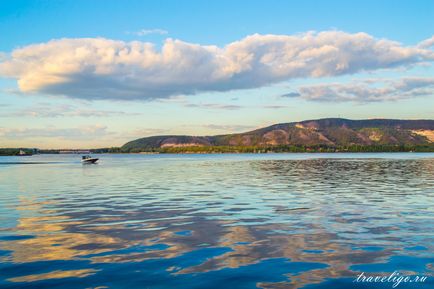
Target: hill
[{"x": 329, "y": 133}]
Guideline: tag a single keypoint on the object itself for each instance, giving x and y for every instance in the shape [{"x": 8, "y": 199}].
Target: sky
[{"x": 87, "y": 74}]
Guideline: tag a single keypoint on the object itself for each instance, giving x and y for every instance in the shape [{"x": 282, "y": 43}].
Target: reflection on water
[{"x": 284, "y": 221}]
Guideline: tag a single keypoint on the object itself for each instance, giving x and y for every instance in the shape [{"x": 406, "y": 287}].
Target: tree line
[
  {"x": 241, "y": 149},
  {"x": 275, "y": 149}
]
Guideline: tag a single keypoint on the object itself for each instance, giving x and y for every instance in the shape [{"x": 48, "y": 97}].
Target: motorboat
[{"x": 88, "y": 160}]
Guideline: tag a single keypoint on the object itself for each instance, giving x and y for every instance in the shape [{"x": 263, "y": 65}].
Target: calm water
[{"x": 215, "y": 221}]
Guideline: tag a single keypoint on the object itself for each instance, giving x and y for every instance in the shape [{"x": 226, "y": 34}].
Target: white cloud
[
  {"x": 222, "y": 106},
  {"x": 144, "y": 32},
  {"x": 81, "y": 133},
  {"x": 368, "y": 90},
  {"x": 291, "y": 94},
  {"x": 214, "y": 106},
  {"x": 427, "y": 43},
  {"x": 64, "y": 110},
  {"x": 98, "y": 68},
  {"x": 228, "y": 128},
  {"x": 274, "y": 106}
]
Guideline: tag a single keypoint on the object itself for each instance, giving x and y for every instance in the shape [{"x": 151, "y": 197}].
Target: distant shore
[
  {"x": 269, "y": 149},
  {"x": 230, "y": 149}
]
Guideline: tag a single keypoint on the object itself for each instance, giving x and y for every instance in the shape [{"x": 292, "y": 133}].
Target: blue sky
[{"x": 226, "y": 66}]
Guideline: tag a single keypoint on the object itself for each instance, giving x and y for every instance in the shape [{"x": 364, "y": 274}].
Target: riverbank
[{"x": 233, "y": 149}]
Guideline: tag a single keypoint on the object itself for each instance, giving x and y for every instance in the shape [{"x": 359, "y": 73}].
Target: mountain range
[{"x": 330, "y": 132}]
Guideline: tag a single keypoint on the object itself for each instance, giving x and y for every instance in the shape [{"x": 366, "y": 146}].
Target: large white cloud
[{"x": 98, "y": 68}]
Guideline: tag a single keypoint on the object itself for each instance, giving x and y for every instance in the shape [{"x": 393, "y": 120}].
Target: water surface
[{"x": 215, "y": 221}]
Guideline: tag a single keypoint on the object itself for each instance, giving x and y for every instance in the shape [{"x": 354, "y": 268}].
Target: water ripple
[{"x": 213, "y": 221}]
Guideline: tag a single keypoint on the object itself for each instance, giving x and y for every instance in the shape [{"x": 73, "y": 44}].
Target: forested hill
[{"x": 327, "y": 133}]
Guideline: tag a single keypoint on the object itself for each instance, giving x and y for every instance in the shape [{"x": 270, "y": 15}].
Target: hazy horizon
[{"x": 110, "y": 145}]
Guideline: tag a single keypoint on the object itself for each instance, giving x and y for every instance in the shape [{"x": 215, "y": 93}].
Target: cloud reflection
[{"x": 313, "y": 217}]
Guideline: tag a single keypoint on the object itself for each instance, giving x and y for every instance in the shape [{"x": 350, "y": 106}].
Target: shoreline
[
  {"x": 231, "y": 153},
  {"x": 270, "y": 149}
]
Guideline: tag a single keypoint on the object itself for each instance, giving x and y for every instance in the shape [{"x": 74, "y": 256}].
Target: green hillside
[{"x": 331, "y": 134}]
